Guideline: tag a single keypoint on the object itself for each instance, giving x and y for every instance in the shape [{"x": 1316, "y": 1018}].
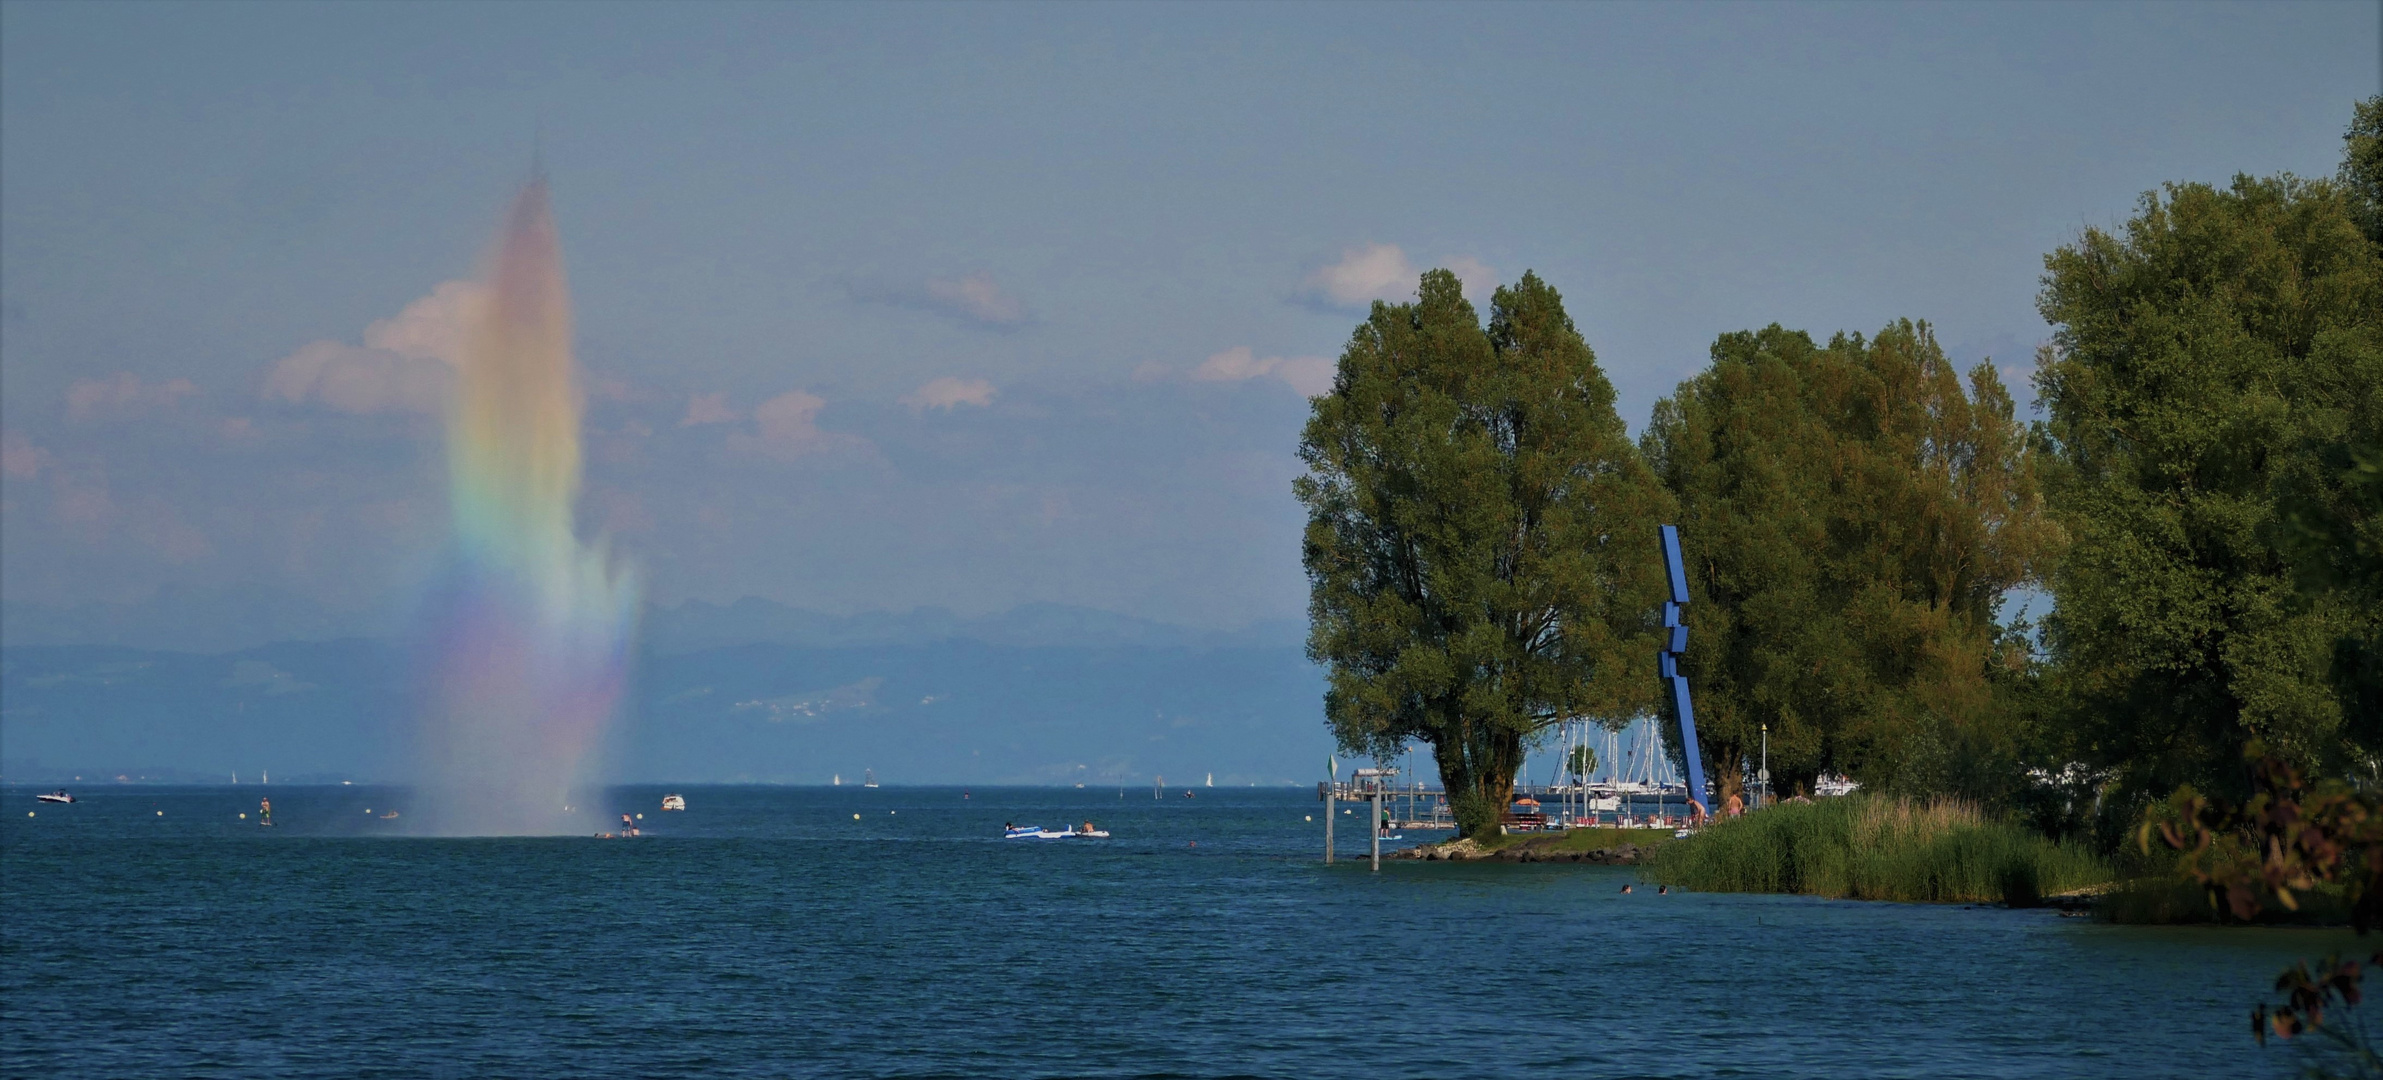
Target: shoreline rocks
[{"x": 1532, "y": 850}]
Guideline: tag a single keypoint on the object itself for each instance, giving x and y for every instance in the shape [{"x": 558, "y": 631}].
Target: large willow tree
[{"x": 1481, "y": 538}]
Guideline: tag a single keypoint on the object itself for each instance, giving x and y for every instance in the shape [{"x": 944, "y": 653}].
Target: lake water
[{"x": 767, "y": 932}]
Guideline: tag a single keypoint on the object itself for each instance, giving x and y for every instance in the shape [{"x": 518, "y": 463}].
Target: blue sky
[{"x": 972, "y": 306}]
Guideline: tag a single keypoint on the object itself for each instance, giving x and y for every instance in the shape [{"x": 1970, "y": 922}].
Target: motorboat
[
  {"x": 1037, "y": 832},
  {"x": 674, "y": 802},
  {"x": 56, "y": 797}
]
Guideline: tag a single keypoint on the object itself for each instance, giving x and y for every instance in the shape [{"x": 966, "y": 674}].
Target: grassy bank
[
  {"x": 1579, "y": 839},
  {"x": 1867, "y": 848}
]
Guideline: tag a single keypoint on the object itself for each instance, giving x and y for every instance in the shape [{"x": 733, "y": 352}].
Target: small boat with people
[
  {"x": 1037, "y": 832},
  {"x": 58, "y": 796},
  {"x": 674, "y": 802}
]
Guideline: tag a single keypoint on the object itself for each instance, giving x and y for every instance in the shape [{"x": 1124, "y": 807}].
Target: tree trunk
[
  {"x": 1727, "y": 770},
  {"x": 1477, "y": 772}
]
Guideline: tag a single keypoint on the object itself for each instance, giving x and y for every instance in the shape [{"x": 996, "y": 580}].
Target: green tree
[
  {"x": 1481, "y": 538},
  {"x": 2334, "y": 516},
  {"x": 1851, "y": 520},
  {"x": 1583, "y": 761},
  {"x": 2210, "y": 363},
  {"x": 2361, "y": 174}
]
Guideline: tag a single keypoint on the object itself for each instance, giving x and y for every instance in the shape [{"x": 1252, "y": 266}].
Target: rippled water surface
[{"x": 767, "y": 932}]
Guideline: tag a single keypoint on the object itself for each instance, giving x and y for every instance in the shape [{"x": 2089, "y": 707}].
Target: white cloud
[
  {"x": 431, "y": 328},
  {"x": 1231, "y": 365},
  {"x": 1383, "y": 272},
  {"x": 1479, "y": 280},
  {"x": 786, "y": 427},
  {"x": 975, "y": 299},
  {"x": 1309, "y": 375},
  {"x": 948, "y": 393},
  {"x": 349, "y": 379},
  {"x": 19, "y": 457},
  {"x": 406, "y": 364},
  {"x": 125, "y": 395},
  {"x": 707, "y": 409},
  {"x": 1364, "y": 275},
  {"x": 791, "y": 417}
]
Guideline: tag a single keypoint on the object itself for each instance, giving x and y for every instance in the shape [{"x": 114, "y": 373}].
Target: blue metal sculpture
[{"x": 1675, "y": 644}]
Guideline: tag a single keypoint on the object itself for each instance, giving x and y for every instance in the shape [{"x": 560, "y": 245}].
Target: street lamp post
[{"x": 1764, "y": 777}]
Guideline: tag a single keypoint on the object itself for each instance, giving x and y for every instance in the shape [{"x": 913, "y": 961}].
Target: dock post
[
  {"x": 1375, "y": 826},
  {"x": 1329, "y": 801}
]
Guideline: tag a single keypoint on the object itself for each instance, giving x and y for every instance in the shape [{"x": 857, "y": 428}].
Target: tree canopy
[
  {"x": 2211, "y": 363},
  {"x": 1481, "y": 538},
  {"x": 1851, "y": 520}
]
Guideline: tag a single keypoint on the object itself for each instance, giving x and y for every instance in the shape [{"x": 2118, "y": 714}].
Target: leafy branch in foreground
[{"x": 2287, "y": 841}]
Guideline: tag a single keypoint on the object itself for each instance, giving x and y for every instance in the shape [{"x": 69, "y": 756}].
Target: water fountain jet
[{"x": 526, "y": 639}]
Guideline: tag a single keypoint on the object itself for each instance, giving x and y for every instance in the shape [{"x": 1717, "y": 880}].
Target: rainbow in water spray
[{"x": 527, "y": 641}]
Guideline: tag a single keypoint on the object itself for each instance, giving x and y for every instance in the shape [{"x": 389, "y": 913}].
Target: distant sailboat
[
  {"x": 836, "y": 780},
  {"x": 868, "y": 778},
  {"x": 1211, "y": 779}
]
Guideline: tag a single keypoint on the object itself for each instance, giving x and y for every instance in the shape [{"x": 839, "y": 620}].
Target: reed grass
[{"x": 1870, "y": 848}]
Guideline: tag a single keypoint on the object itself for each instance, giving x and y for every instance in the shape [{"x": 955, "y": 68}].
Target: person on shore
[{"x": 1736, "y": 806}]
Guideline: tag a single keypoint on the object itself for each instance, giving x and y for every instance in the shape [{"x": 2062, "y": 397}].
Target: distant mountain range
[
  {"x": 698, "y": 625},
  {"x": 751, "y": 691},
  {"x": 225, "y": 620}
]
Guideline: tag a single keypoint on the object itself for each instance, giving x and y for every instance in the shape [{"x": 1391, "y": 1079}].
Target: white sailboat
[{"x": 868, "y": 778}]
